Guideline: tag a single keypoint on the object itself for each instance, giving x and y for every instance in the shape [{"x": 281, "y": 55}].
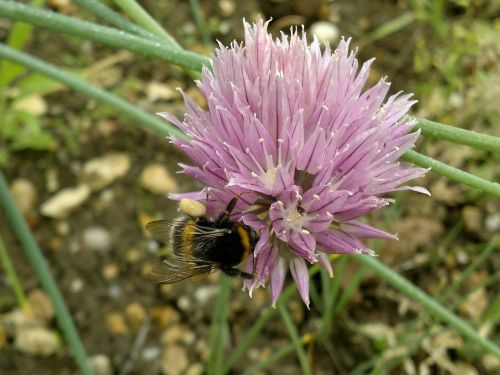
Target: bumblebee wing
[
  {"x": 161, "y": 229},
  {"x": 177, "y": 268}
]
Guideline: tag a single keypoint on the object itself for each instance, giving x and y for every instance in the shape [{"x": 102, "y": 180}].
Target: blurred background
[{"x": 87, "y": 180}]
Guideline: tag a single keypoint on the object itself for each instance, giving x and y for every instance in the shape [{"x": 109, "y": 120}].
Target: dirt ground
[{"x": 99, "y": 253}]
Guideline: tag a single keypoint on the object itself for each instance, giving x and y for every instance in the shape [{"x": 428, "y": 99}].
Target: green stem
[
  {"x": 478, "y": 260},
  {"x": 109, "y": 15},
  {"x": 141, "y": 17},
  {"x": 276, "y": 356},
  {"x": 11, "y": 273},
  {"x": 251, "y": 334},
  {"x": 202, "y": 25},
  {"x": 453, "y": 173},
  {"x": 42, "y": 270},
  {"x": 429, "y": 303},
  {"x": 217, "y": 326},
  {"x": 460, "y": 136},
  {"x": 102, "y": 34},
  {"x": 101, "y": 96},
  {"x": 294, "y": 335}
]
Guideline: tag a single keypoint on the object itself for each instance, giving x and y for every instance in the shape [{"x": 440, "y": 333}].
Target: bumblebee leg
[
  {"x": 231, "y": 271},
  {"x": 246, "y": 275},
  {"x": 224, "y": 217}
]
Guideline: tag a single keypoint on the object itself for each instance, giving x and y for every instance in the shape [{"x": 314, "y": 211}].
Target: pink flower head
[{"x": 292, "y": 132}]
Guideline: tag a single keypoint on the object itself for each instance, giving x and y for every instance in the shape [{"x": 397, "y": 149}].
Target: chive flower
[{"x": 291, "y": 130}]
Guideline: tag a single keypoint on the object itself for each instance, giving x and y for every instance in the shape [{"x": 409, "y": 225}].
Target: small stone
[
  {"x": 184, "y": 303},
  {"x": 492, "y": 223},
  {"x": 325, "y": 31},
  {"x": 173, "y": 334},
  {"x": 227, "y": 7},
  {"x": 195, "y": 369},
  {"x": 150, "y": 354},
  {"x": 97, "y": 239},
  {"x": 102, "y": 171},
  {"x": 3, "y": 337},
  {"x": 24, "y": 194},
  {"x": 115, "y": 291},
  {"x": 52, "y": 179},
  {"x": 160, "y": 91},
  {"x": 110, "y": 271},
  {"x": 76, "y": 285},
  {"x": 116, "y": 324},
  {"x": 33, "y": 104},
  {"x": 156, "y": 179},
  {"x": 135, "y": 314},
  {"x": 206, "y": 293},
  {"x": 134, "y": 255},
  {"x": 475, "y": 304},
  {"x": 17, "y": 320},
  {"x": 37, "y": 341},
  {"x": 174, "y": 360},
  {"x": 40, "y": 305},
  {"x": 165, "y": 316},
  {"x": 101, "y": 364},
  {"x": 192, "y": 207},
  {"x": 65, "y": 201},
  {"x": 473, "y": 218}
]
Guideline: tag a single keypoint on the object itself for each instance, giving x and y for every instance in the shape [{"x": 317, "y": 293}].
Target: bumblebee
[{"x": 200, "y": 245}]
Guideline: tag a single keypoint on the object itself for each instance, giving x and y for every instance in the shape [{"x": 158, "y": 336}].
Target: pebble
[
  {"x": 115, "y": 291},
  {"x": 227, "y": 7},
  {"x": 16, "y": 320},
  {"x": 135, "y": 314},
  {"x": 97, "y": 239},
  {"x": 195, "y": 369},
  {"x": 116, "y": 324},
  {"x": 165, "y": 316},
  {"x": 33, "y": 104},
  {"x": 40, "y": 305},
  {"x": 160, "y": 91},
  {"x": 110, "y": 271},
  {"x": 174, "y": 360},
  {"x": 3, "y": 337},
  {"x": 184, "y": 303},
  {"x": 24, "y": 193},
  {"x": 492, "y": 222},
  {"x": 192, "y": 207},
  {"x": 37, "y": 341},
  {"x": 174, "y": 334},
  {"x": 158, "y": 180},
  {"x": 204, "y": 294},
  {"x": 101, "y": 364},
  {"x": 99, "y": 172},
  {"x": 76, "y": 285},
  {"x": 150, "y": 353},
  {"x": 65, "y": 201},
  {"x": 325, "y": 31},
  {"x": 473, "y": 218}
]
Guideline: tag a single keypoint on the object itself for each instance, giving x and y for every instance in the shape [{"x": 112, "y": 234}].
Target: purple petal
[
  {"x": 277, "y": 280},
  {"x": 298, "y": 268}
]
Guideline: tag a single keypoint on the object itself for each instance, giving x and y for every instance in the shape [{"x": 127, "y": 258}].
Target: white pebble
[
  {"x": 97, "y": 239},
  {"x": 37, "y": 341},
  {"x": 325, "y": 31}
]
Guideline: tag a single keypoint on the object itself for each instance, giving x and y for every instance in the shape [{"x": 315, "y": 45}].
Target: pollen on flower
[{"x": 293, "y": 131}]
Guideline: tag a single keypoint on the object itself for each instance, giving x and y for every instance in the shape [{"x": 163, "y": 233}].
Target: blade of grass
[
  {"x": 431, "y": 305},
  {"x": 101, "y": 10},
  {"x": 351, "y": 288},
  {"x": 42, "y": 270},
  {"x": 12, "y": 277},
  {"x": 141, "y": 17},
  {"x": 101, "y": 96},
  {"x": 452, "y": 173},
  {"x": 218, "y": 323},
  {"x": 202, "y": 25},
  {"x": 18, "y": 36},
  {"x": 294, "y": 335},
  {"x": 387, "y": 28},
  {"x": 330, "y": 298},
  {"x": 458, "y": 135},
  {"x": 102, "y": 34},
  {"x": 485, "y": 254},
  {"x": 251, "y": 334},
  {"x": 277, "y": 355}
]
